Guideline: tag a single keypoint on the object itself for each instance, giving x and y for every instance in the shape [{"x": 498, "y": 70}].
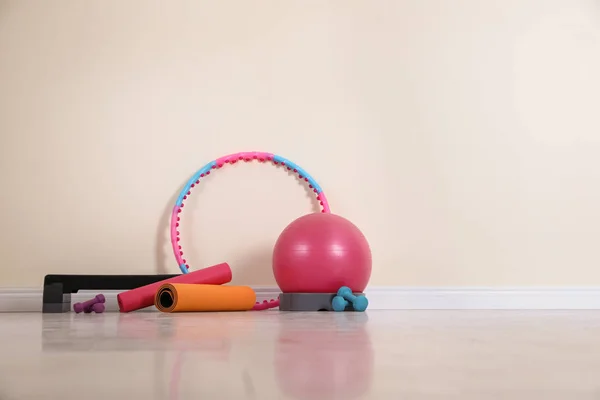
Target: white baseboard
[{"x": 383, "y": 298}]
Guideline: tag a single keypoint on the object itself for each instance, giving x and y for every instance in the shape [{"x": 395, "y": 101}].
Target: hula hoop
[{"x": 219, "y": 163}]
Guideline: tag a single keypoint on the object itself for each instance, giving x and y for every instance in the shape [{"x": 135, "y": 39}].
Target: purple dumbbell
[
  {"x": 86, "y": 306},
  {"x": 98, "y": 308}
]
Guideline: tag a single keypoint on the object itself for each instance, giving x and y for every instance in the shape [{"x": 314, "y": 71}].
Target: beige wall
[{"x": 463, "y": 137}]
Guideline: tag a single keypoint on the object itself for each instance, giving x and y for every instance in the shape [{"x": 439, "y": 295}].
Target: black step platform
[{"x": 58, "y": 288}]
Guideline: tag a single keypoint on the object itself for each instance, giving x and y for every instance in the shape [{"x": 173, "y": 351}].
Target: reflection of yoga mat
[
  {"x": 144, "y": 296},
  {"x": 181, "y": 297}
]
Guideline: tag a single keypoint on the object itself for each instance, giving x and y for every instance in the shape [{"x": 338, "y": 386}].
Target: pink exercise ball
[{"x": 319, "y": 253}]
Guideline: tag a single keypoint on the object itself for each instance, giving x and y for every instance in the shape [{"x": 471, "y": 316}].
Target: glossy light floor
[{"x": 271, "y": 355}]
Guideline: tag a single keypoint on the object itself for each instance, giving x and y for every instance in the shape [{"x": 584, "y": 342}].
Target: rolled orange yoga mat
[{"x": 182, "y": 297}]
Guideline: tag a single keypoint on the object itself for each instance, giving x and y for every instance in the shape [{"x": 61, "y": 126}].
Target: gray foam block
[{"x": 309, "y": 301}]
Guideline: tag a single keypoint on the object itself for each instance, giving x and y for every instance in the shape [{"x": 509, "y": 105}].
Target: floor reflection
[
  {"x": 300, "y": 355},
  {"x": 329, "y": 361},
  {"x": 314, "y": 356},
  {"x": 213, "y": 334}
]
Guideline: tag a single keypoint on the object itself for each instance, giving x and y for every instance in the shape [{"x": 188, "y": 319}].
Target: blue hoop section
[
  {"x": 302, "y": 172},
  {"x": 192, "y": 180},
  {"x": 183, "y": 268}
]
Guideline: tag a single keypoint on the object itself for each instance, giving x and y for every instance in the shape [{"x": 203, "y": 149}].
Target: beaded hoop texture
[{"x": 219, "y": 163}]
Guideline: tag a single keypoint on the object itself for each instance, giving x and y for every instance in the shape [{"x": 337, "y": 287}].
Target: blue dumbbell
[
  {"x": 339, "y": 303},
  {"x": 345, "y": 297}
]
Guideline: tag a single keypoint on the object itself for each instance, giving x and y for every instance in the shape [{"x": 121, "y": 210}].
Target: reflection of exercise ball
[
  {"x": 319, "y": 253},
  {"x": 332, "y": 363}
]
